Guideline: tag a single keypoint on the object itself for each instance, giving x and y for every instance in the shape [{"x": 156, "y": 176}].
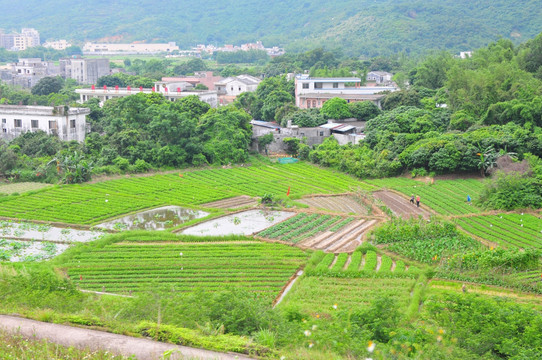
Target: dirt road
[{"x": 142, "y": 349}]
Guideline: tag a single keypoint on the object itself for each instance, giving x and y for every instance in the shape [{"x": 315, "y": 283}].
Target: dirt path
[
  {"x": 399, "y": 205},
  {"x": 143, "y": 349}
]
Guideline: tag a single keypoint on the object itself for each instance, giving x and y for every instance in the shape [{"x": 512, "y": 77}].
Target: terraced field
[
  {"x": 447, "y": 197},
  {"x": 359, "y": 264},
  {"x": 93, "y": 203},
  {"x": 324, "y": 232},
  {"x": 136, "y": 264},
  {"x": 507, "y": 230},
  {"x": 325, "y": 296}
]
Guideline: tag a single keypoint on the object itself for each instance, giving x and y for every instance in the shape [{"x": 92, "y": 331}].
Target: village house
[
  {"x": 228, "y": 89},
  {"x": 206, "y": 78},
  {"x": 84, "y": 71},
  {"x": 28, "y": 71},
  {"x": 66, "y": 123},
  {"x": 379, "y": 77},
  {"x": 314, "y": 92}
]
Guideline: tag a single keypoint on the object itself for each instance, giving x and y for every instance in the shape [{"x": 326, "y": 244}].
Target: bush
[{"x": 509, "y": 191}]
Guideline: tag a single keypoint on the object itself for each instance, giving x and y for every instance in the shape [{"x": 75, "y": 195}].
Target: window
[
  {"x": 34, "y": 124},
  {"x": 5, "y": 130},
  {"x": 3, "y": 121},
  {"x": 305, "y": 85},
  {"x": 52, "y": 124},
  {"x": 335, "y": 85},
  {"x": 321, "y": 133},
  {"x": 72, "y": 124},
  {"x": 18, "y": 123},
  {"x": 232, "y": 88},
  {"x": 318, "y": 85},
  {"x": 302, "y": 134},
  {"x": 239, "y": 88}
]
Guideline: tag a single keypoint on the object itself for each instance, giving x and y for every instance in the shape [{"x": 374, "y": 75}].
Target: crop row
[
  {"x": 133, "y": 266},
  {"x": 509, "y": 230},
  {"x": 358, "y": 264},
  {"x": 93, "y": 203},
  {"x": 448, "y": 197},
  {"x": 303, "y": 226}
]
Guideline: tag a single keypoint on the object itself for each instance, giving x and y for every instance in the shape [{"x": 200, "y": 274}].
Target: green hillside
[{"x": 358, "y": 26}]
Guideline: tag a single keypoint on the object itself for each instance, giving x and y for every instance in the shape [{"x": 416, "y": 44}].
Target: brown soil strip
[
  {"x": 347, "y": 263},
  {"x": 400, "y": 205},
  {"x": 145, "y": 243},
  {"x": 378, "y": 262},
  {"x": 393, "y": 265},
  {"x": 333, "y": 262}
]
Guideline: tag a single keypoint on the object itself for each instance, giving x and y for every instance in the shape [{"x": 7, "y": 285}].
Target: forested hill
[{"x": 369, "y": 27}]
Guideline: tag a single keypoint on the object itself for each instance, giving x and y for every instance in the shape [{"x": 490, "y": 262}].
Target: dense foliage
[{"x": 358, "y": 27}]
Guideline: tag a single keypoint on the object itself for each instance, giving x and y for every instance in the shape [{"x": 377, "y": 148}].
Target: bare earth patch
[
  {"x": 232, "y": 203},
  {"x": 339, "y": 204},
  {"x": 399, "y": 205},
  {"x": 21, "y": 187}
]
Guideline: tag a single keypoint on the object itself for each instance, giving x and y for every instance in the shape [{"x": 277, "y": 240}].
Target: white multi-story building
[
  {"x": 314, "y": 92},
  {"x": 66, "y": 123},
  {"x": 172, "y": 94},
  {"x": 57, "y": 44},
  {"x": 103, "y": 49},
  {"x": 33, "y": 35}
]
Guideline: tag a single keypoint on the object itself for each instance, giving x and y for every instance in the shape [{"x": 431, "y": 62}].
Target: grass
[
  {"x": 317, "y": 295},
  {"x": 15, "y": 347}
]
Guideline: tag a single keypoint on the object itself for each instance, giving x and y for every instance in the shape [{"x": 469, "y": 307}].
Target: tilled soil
[
  {"x": 232, "y": 203},
  {"x": 339, "y": 204},
  {"x": 142, "y": 349},
  {"x": 400, "y": 206}
]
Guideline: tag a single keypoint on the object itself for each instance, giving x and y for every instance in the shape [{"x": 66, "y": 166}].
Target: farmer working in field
[
  {"x": 418, "y": 201},
  {"x": 412, "y": 199}
]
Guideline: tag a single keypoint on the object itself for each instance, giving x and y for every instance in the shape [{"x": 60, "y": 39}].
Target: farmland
[
  {"x": 507, "y": 230},
  {"x": 318, "y": 231},
  {"x": 91, "y": 204},
  {"x": 317, "y": 295},
  {"x": 447, "y": 197},
  {"x": 360, "y": 263},
  {"x": 167, "y": 262}
]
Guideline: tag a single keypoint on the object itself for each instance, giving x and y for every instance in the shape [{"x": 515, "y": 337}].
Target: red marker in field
[{"x": 288, "y": 193}]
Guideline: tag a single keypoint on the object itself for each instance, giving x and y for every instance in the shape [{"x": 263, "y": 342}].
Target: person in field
[
  {"x": 418, "y": 201},
  {"x": 412, "y": 199},
  {"x": 468, "y": 199}
]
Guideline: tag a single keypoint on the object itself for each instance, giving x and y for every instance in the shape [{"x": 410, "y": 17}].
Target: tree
[
  {"x": 364, "y": 110},
  {"x": 190, "y": 67},
  {"x": 47, "y": 85},
  {"x": 335, "y": 108},
  {"x": 292, "y": 145},
  {"x": 274, "y": 101},
  {"x": 432, "y": 73},
  {"x": 265, "y": 140}
]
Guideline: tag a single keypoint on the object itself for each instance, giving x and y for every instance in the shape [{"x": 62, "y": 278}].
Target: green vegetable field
[
  {"x": 170, "y": 263},
  {"x": 93, "y": 203}
]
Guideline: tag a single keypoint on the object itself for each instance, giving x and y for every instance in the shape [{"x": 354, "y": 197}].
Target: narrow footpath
[{"x": 142, "y": 349}]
